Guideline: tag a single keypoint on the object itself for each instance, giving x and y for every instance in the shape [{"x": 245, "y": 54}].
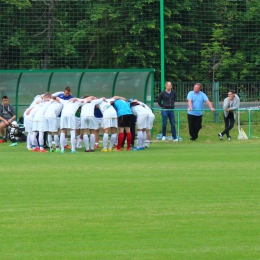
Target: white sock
[
  {"x": 66, "y": 141},
  {"x": 112, "y": 140},
  {"x": 92, "y": 141},
  {"x": 144, "y": 138},
  {"x": 86, "y": 141},
  {"x": 41, "y": 140},
  {"x": 34, "y": 139},
  {"x": 139, "y": 139},
  {"x": 62, "y": 141},
  {"x": 105, "y": 140},
  {"x": 72, "y": 140},
  {"x": 28, "y": 141},
  {"x": 50, "y": 140},
  {"x": 56, "y": 140}
]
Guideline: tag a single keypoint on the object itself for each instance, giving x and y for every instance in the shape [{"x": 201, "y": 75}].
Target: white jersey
[
  {"x": 57, "y": 93},
  {"x": 139, "y": 110},
  {"x": 53, "y": 110},
  {"x": 107, "y": 109},
  {"x": 38, "y": 99},
  {"x": 87, "y": 110},
  {"x": 39, "y": 115},
  {"x": 151, "y": 114},
  {"x": 70, "y": 107}
]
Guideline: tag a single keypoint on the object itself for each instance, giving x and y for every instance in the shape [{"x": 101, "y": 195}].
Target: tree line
[{"x": 205, "y": 40}]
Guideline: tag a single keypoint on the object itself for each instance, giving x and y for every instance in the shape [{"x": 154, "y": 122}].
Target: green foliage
[
  {"x": 18, "y": 3},
  {"x": 204, "y": 40}
]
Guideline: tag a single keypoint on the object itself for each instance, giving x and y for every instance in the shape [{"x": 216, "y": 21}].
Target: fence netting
[{"x": 207, "y": 40}]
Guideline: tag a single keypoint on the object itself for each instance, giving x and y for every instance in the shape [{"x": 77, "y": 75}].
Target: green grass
[{"x": 186, "y": 200}]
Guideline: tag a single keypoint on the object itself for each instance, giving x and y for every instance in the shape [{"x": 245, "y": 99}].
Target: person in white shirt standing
[
  {"x": 142, "y": 122},
  {"x": 68, "y": 121},
  {"x": 38, "y": 123},
  {"x": 88, "y": 122},
  {"x": 28, "y": 119},
  {"x": 231, "y": 105},
  {"x": 51, "y": 123},
  {"x": 150, "y": 124},
  {"x": 109, "y": 123}
]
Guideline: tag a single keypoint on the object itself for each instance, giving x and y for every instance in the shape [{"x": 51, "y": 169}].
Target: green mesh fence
[
  {"x": 206, "y": 40},
  {"x": 22, "y": 86}
]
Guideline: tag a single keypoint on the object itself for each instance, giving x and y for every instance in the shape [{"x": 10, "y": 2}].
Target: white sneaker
[
  {"x": 78, "y": 145},
  {"x": 175, "y": 140},
  {"x": 163, "y": 138},
  {"x": 220, "y": 136}
]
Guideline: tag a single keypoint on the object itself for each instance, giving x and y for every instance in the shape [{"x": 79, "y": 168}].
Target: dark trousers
[
  {"x": 229, "y": 123},
  {"x": 195, "y": 124}
]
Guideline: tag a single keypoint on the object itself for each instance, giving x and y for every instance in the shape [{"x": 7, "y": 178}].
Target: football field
[{"x": 186, "y": 200}]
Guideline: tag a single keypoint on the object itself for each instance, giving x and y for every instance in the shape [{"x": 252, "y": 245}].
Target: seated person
[{"x": 7, "y": 115}]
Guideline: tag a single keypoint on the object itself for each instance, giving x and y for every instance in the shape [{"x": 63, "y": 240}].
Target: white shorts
[
  {"x": 51, "y": 125},
  {"x": 99, "y": 121},
  {"x": 78, "y": 123},
  {"x": 38, "y": 126},
  {"x": 151, "y": 120},
  {"x": 89, "y": 123},
  {"x": 109, "y": 122},
  {"x": 142, "y": 121},
  {"x": 67, "y": 121},
  {"x": 28, "y": 124},
  {"x": 58, "y": 122}
]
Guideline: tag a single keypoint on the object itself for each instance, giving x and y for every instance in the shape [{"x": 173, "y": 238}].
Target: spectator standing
[
  {"x": 166, "y": 101},
  {"x": 230, "y": 105},
  {"x": 196, "y": 99}
]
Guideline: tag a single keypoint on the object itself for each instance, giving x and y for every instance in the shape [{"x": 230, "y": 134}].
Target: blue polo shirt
[
  {"x": 122, "y": 108},
  {"x": 197, "y": 102},
  {"x": 64, "y": 97}
]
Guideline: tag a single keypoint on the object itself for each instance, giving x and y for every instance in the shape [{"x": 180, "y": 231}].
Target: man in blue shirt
[
  {"x": 196, "y": 99},
  {"x": 66, "y": 95}
]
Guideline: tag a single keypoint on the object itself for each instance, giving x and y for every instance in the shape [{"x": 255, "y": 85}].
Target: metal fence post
[{"x": 216, "y": 101}]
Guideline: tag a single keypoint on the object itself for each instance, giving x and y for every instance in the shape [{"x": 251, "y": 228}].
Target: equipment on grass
[
  {"x": 16, "y": 132},
  {"x": 241, "y": 133}
]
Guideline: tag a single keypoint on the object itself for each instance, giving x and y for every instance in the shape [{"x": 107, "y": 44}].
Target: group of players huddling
[{"x": 60, "y": 112}]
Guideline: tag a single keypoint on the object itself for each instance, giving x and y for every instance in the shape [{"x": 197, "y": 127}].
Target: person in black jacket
[{"x": 166, "y": 101}]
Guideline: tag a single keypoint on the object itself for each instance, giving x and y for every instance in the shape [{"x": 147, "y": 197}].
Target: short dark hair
[
  {"x": 232, "y": 91},
  {"x": 4, "y": 97},
  {"x": 67, "y": 89},
  {"x": 199, "y": 84}
]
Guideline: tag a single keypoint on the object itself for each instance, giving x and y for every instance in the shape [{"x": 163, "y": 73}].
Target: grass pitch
[{"x": 186, "y": 200}]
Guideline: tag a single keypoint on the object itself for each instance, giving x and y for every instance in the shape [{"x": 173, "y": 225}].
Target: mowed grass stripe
[{"x": 173, "y": 201}]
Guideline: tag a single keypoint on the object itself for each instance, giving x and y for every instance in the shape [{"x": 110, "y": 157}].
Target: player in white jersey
[
  {"x": 142, "y": 122},
  {"x": 88, "y": 121},
  {"x": 150, "y": 124},
  {"x": 109, "y": 123},
  {"x": 79, "y": 138},
  {"x": 28, "y": 119},
  {"x": 68, "y": 120},
  {"x": 38, "y": 125},
  {"x": 51, "y": 124}
]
